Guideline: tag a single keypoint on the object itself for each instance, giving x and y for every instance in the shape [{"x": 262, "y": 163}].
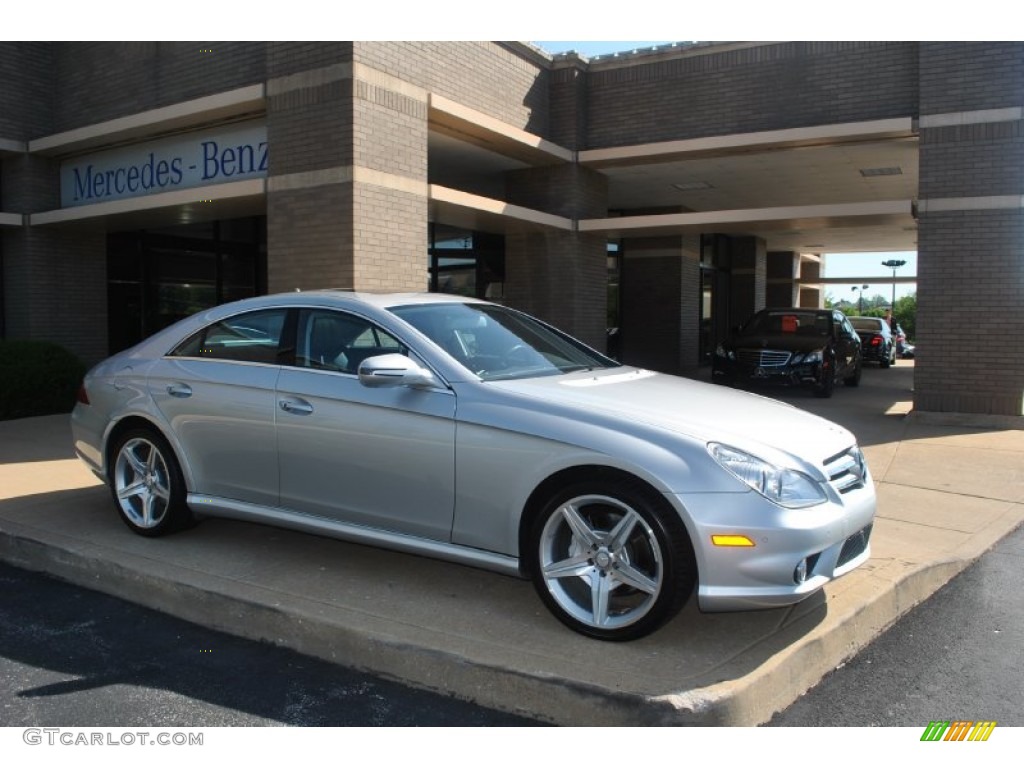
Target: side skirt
[{"x": 213, "y": 506}]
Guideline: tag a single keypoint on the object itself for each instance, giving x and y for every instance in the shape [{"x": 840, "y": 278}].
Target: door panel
[
  {"x": 378, "y": 457},
  {"x": 223, "y": 416}
]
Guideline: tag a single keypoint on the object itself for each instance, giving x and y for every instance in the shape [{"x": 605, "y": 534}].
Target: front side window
[
  {"x": 252, "y": 337},
  {"x": 337, "y": 341}
]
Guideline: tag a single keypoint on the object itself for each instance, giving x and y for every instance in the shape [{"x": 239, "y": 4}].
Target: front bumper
[
  {"x": 829, "y": 539},
  {"x": 791, "y": 375}
]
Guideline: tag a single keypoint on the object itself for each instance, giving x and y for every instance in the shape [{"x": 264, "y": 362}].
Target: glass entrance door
[{"x": 155, "y": 278}]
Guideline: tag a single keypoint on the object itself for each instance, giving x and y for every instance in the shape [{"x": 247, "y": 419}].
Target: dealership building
[{"x": 667, "y": 193}]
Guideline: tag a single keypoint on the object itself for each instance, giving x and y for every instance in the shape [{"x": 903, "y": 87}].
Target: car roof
[{"x": 381, "y": 300}]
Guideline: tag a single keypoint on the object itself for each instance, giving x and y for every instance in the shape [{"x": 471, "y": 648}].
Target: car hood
[
  {"x": 703, "y": 412},
  {"x": 778, "y": 341}
]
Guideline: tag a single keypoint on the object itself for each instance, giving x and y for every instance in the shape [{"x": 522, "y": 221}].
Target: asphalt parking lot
[{"x": 949, "y": 489}]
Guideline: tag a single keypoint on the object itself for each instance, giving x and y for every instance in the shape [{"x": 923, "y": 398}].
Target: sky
[{"x": 862, "y": 265}]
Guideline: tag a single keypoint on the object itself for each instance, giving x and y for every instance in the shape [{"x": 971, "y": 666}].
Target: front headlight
[
  {"x": 786, "y": 487},
  {"x": 809, "y": 357},
  {"x": 721, "y": 351}
]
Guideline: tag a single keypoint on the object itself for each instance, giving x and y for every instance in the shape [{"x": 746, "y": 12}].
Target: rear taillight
[
  {"x": 82, "y": 396},
  {"x": 875, "y": 341}
]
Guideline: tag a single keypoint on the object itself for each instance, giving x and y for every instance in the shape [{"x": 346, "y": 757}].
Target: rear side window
[{"x": 253, "y": 337}]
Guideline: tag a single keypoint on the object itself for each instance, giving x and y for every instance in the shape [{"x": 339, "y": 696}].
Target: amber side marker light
[{"x": 731, "y": 540}]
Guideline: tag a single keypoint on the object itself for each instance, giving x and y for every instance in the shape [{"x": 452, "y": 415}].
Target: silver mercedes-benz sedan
[{"x": 464, "y": 430}]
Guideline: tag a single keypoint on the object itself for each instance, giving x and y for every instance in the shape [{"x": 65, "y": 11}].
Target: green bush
[{"x": 37, "y": 378}]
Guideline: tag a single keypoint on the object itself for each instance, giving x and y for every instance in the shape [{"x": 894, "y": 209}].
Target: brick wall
[
  {"x": 958, "y": 76},
  {"x": 560, "y": 276},
  {"x": 485, "y": 76},
  {"x": 55, "y": 287},
  {"x": 970, "y": 231},
  {"x": 97, "y": 81},
  {"x": 759, "y": 88},
  {"x": 26, "y": 94}
]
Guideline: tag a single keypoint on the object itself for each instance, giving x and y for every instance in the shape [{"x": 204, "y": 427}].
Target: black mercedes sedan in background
[
  {"x": 876, "y": 340},
  {"x": 815, "y": 348}
]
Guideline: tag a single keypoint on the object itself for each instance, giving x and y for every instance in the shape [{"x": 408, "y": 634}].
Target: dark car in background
[
  {"x": 815, "y": 348},
  {"x": 877, "y": 343}
]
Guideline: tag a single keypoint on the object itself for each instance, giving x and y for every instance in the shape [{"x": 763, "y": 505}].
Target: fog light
[
  {"x": 800, "y": 574},
  {"x": 731, "y": 540}
]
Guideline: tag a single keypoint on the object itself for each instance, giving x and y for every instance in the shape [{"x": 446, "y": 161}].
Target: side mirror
[{"x": 394, "y": 370}]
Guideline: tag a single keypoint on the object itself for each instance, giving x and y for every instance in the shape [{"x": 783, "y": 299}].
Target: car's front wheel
[
  {"x": 827, "y": 383},
  {"x": 610, "y": 559},
  {"x": 147, "y": 484}
]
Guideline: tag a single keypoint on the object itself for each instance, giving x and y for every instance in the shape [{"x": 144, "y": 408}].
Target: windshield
[
  {"x": 789, "y": 321},
  {"x": 499, "y": 343}
]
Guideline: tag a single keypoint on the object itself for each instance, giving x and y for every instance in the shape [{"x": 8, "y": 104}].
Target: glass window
[
  {"x": 336, "y": 341},
  {"x": 498, "y": 343},
  {"x": 253, "y": 337}
]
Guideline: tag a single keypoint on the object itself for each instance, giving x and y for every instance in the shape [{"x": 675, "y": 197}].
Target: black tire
[
  {"x": 649, "y": 570},
  {"x": 827, "y": 385},
  {"x": 853, "y": 380},
  {"x": 147, "y": 484},
  {"x": 888, "y": 360}
]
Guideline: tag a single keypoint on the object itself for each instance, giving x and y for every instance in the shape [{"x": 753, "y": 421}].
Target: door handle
[
  {"x": 179, "y": 390},
  {"x": 295, "y": 405}
]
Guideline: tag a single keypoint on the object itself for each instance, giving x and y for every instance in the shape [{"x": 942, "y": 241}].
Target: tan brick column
[{"x": 347, "y": 190}]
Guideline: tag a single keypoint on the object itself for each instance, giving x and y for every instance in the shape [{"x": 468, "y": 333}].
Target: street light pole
[
  {"x": 893, "y": 264},
  {"x": 860, "y": 298}
]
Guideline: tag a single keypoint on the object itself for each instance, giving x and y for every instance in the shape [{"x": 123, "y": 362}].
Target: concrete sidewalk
[{"x": 947, "y": 493}]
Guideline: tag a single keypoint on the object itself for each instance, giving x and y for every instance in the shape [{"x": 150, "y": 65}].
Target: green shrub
[{"x": 37, "y": 378}]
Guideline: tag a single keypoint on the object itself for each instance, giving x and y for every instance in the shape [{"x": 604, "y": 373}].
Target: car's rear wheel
[
  {"x": 147, "y": 484},
  {"x": 610, "y": 559}
]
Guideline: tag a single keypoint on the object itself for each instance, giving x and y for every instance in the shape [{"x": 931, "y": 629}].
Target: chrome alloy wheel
[
  {"x": 601, "y": 562},
  {"x": 142, "y": 483}
]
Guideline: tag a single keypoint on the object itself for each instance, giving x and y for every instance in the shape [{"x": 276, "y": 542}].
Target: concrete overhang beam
[
  {"x": 462, "y": 209},
  {"x": 469, "y": 125},
  {"x": 757, "y": 221},
  {"x": 229, "y": 105},
  {"x": 761, "y": 141}
]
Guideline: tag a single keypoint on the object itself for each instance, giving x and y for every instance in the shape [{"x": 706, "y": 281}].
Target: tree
[{"x": 905, "y": 313}]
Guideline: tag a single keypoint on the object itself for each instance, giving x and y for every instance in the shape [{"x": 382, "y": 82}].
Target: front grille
[
  {"x": 846, "y": 471},
  {"x": 854, "y": 546},
  {"x": 763, "y": 358}
]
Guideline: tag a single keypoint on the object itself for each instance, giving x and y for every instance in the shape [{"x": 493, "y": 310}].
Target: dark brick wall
[
  {"x": 958, "y": 76},
  {"x": 97, "y": 81},
  {"x": 971, "y": 262},
  {"x": 298, "y": 121},
  {"x": 55, "y": 287},
  {"x": 767, "y": 87},
  {"x": 288, "y": 58},
  {"x": 969, "y": 323},
  {"x": 978, "y": 160},
  {"x": 651, "y": 292},
  {"x": 561, "y": 277},
  {"x": 26, "y": 79},
  {"x": 568, "y": 123}
]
